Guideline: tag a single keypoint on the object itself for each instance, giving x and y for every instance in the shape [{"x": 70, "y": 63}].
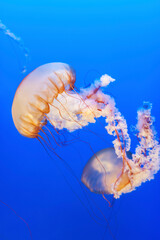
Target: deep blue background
[{"x": 121, "y": 38}]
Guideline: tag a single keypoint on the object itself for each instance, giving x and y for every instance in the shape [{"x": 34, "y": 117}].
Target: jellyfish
[
  {"x": 48, "y": 94},
  {"x": 34, "y": 96},
  {"x": 102, "y": 171}
]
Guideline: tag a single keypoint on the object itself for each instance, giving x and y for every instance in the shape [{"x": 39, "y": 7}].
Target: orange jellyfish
[
  {"x": 103, "y": 170},
  {"x": 36, "y": 94}
]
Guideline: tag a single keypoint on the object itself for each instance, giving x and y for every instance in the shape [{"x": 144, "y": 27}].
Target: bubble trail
[{"x": 18, "y": 41}]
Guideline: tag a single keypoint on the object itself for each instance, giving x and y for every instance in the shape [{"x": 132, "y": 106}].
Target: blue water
[{"x": 121, "y": 38}]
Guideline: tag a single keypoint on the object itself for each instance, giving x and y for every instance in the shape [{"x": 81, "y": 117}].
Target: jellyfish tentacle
[
  {"x": 61, "y": 113},
  {"x": 52, "y": 136},
  {"x": 84, "y": 191},
  {"x": 74, "y": 120},
  {"x": 106, "y": 200},
  {"x": 52, "y": 124},
  {"x": 18, "y": 217}
]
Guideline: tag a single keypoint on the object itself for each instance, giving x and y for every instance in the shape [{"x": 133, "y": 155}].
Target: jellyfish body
[
  {"x": 35, "y": 94},
  {"x": 102, "y": 170}
]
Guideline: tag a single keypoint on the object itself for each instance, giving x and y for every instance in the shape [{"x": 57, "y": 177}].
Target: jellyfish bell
[
  {"x": 102, "y": 171},
  {"x": 35, "y": 94}
]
